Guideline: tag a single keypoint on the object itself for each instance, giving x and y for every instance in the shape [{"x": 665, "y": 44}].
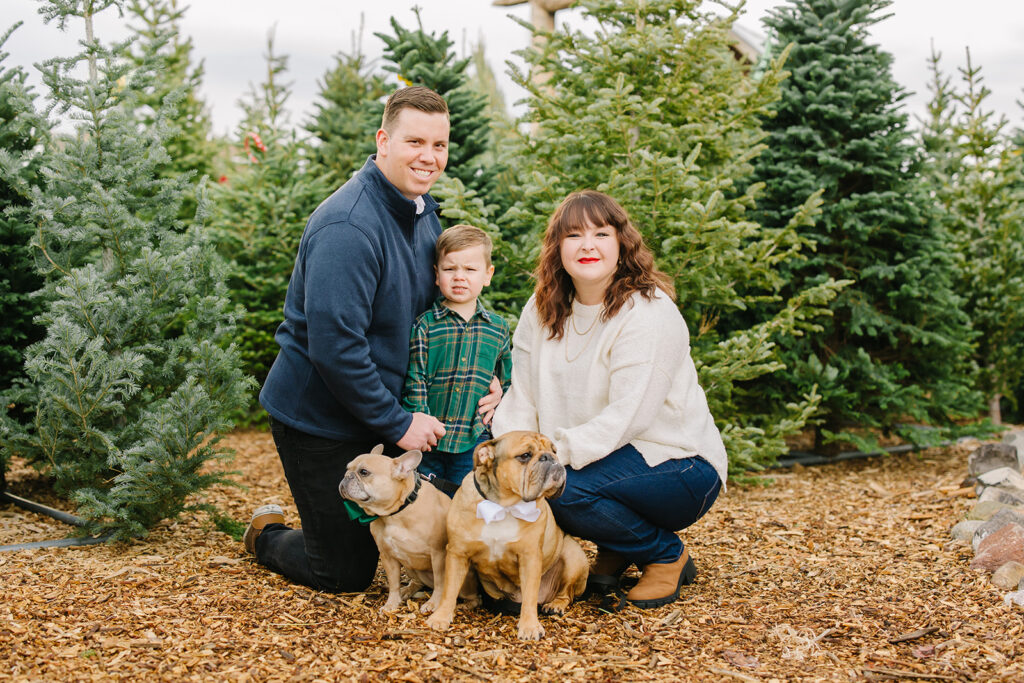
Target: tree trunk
[{"x": 995, "y": 413}]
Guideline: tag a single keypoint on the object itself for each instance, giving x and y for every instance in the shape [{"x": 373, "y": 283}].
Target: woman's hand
[{"x": 489, "y": 402}]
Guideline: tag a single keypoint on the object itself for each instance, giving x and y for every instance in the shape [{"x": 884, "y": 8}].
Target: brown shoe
[
  {"x": 267, "y": 514},
  {"x": 660, "y": 583}
]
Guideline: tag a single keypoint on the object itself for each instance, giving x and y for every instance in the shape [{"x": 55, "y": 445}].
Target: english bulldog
[
  {"x": 408, "y": 523},
  {"x": 500, "y": 524}
]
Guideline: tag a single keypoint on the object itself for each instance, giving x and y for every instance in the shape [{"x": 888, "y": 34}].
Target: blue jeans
[
  {"x": 330, "y": 552},
  {"x": 622, "y": 504},
  {"x": 451, "y": 466}
]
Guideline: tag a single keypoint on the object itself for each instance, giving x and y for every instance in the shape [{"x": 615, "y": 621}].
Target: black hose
[
  {"x": 42, "y": 509},
  {"x": 58, "y": 543},
  {"x": 56, "y": 514}
]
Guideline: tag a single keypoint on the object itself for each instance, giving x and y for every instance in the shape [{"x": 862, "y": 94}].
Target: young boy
[{"x": 456, "y": 347}]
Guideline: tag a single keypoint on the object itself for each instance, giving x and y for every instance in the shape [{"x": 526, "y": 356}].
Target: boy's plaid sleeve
[{"x": 414, "y": 395}]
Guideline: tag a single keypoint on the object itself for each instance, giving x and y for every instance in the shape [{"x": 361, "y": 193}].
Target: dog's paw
[
  {"x": 439, "y": 622},
  {"x": 430, "y": 605},
  {"x": 393, "y": 603},
  {"x": 530, "y": 631},
  {"x": 556, "y": 607}
]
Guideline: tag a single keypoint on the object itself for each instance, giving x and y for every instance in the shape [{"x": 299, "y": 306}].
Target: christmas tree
[
  {"x": 653, "y": 109},
  {"x": 260, "y": 211},
  {"x": 137, "y": 369},
  {"x": 978, "y": 175},
  {"x": 156, "y": 25},
  {"x": 22, "y": 131},
  {"x": 349, "y": 113},
  {"x": 896, "y": 349}
]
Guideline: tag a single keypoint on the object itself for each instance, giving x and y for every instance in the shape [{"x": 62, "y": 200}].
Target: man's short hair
[
  {"x": 459, "y": 237},
  {"x": 414, "y": 97}
]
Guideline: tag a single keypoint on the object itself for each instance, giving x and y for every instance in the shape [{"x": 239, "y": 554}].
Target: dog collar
[{"x": 357, "y": 514}]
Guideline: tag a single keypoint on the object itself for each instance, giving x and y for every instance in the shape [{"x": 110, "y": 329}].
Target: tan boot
[
  {"x": 267, "y": 514},
  {"x": 660, "y": 583}
]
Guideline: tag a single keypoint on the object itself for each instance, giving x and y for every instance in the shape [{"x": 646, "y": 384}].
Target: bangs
[{"x": 586, "y": 208}]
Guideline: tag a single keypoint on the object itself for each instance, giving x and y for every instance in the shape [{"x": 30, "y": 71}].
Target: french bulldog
[
  {"x": 501, "y": 525},
  {"x": 409, "y": 528}
]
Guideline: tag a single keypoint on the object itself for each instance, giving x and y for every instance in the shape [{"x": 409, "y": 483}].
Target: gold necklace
[
  {"x": 586, "y": 333},
  {"x": 572, "y": 321}
]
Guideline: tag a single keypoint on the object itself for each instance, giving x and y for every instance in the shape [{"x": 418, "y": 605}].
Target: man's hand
[
  {"x": 489, "y": 402},
  {"x": 423, "y": 434}
]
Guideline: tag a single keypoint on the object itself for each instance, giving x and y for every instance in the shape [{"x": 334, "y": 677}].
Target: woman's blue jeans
[
  {"x": 624, "y": 505},
  {"x": 330, "y": 552}
]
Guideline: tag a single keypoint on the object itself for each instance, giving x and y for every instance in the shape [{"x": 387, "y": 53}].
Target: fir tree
[
  {"x": 350, "y": 110},
  {"x": 897, "y": 347},
  {"x": 137, "y": 371},
  {"x": 653, "y": 109},
  {"x": 978, "y": 176},
  {"x": 260, "y": 211},
  {"x": 156, "y": 25},
  {"x": 22, "y": 131}
]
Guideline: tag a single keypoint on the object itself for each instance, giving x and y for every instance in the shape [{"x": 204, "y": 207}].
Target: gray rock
[
  {"x": 1014, "y": 598},
  {"x": 985, "y": 510},
  {"x": 1016, "y": 438},
  {"x": 1001, "y": 495},
  {"x": 992, "y": 456},
  {"x": 1009, "y": 576},
  {"x": 1000, "y": 547},
  {"x": 964, "y": 531},
  {"x": 1006, "y": 477},
  {"x": 995, "y": 523}
]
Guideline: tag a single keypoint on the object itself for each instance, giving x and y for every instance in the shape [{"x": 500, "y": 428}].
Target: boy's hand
[
  {"x": 489, "y": 402},
  {"x": 423, "y": 434}
]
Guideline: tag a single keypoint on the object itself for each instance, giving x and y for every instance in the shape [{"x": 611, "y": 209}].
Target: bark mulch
[{"x": 843, "y": 572}]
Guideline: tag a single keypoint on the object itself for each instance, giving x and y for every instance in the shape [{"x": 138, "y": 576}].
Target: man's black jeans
[{"x": 330, "y": 552}]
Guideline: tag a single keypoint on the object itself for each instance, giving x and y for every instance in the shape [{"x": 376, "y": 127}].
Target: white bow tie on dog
[{"x": 489, "y": 511}]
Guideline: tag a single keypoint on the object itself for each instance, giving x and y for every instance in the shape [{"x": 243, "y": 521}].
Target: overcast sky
[{"x": 230, "y": 36}]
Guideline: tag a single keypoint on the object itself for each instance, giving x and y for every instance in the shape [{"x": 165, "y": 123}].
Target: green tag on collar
[{"x": 356, "y": 513}]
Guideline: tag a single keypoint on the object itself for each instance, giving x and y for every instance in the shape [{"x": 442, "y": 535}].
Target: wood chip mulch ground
[{"x": 835, "y": 573}]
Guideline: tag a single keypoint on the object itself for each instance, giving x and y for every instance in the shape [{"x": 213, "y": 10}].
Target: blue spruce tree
[{"x": 137, "y": 369}]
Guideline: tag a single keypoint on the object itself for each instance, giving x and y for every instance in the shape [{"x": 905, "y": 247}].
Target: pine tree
[
  {"x": 22, "y": 131},
  {"x": 419, "y": 58},
  {"x": 350, "y": 110},
  {"x": 896, "y": 350},
  {"x": 156, "y": 26},
  {"x": 259, "y": 214},
  {"x": 653, "y": 109},
  {"x": 978, "y": 177},
  {"x": 137, "y": 371}
]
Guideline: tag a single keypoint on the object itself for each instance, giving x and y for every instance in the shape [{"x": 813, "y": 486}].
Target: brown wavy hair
[{"x": 636, "y": 271}]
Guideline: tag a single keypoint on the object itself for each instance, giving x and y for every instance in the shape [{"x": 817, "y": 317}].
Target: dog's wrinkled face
[
  {"x": 518, "y": 465},
  {"x": 374, "y": 480}
]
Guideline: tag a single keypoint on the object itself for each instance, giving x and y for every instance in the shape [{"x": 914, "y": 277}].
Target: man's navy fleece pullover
[{"x": 363, "y": 273}]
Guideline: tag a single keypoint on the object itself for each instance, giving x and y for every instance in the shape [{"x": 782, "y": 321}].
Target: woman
[{"x": 601, "y": 364}]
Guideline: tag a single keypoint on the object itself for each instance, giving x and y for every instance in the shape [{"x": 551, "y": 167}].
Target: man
[{"x": 363, "y": 273}]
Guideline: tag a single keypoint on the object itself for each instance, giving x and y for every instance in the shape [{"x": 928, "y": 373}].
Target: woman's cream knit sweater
[{"x": 608, "y": 383}]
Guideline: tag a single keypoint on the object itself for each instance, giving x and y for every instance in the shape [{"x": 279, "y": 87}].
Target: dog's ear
[
  {"x": 407, "y": 462},
  {"x": 378, "y": 449},
  {"x": 483, "y": 455}
]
